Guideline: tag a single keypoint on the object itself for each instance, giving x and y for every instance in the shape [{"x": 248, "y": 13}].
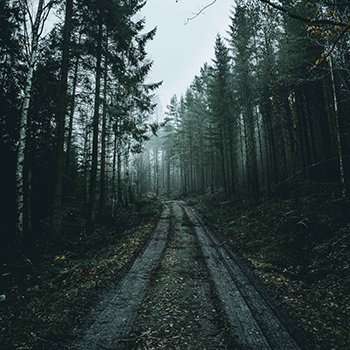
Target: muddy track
[
  {"x": 108, "y": 328},
  {"x": 187, "y": 290},
  {"x": 256, "y": 322}
]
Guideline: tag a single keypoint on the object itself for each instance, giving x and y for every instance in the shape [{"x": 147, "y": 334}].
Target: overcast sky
[{"x": 179, "y": 50}]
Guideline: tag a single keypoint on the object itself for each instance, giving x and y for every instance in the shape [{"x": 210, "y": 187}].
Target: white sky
[{"x": 179, "y": 50}]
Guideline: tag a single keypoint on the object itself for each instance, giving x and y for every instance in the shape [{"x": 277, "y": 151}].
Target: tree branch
[
  {"x": 198, "y": 13},
  {"x": 286, "y": 11},
  {"x": 301, "y": 18},
  {"x": 325, "y": 56}
]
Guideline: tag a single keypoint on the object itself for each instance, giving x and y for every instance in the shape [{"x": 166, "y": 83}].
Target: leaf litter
[
  {"x": 181, "y": 309},
  {"x": 300, "y": 250},
  {"x": 42, "y": 306}
]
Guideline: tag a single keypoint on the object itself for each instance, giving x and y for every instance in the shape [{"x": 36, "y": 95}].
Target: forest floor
[
  {"x": 49, "y": 291},
  {"x": 186, "y": 290},
  {"x": 181, "y": 309},
  {"x": 298, "y": 249}
]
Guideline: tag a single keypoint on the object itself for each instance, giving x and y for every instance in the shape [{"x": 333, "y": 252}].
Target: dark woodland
[{"x": 259, "y": 143}]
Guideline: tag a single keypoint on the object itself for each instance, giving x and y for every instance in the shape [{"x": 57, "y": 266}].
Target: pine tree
[
  {"x": 241, "y": 47},
  {"x": 220, "y": 100}
]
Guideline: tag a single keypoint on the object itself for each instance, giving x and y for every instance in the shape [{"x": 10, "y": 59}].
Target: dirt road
[{"x": 187, "y": 290}]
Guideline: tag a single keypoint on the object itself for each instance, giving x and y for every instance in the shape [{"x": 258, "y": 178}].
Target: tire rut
[
  {"x": 185, "y": 291},
  {"x": 109, "y": 327},
  {"x": 253, "y": 318},
  {"x": 181, "y": 309}
]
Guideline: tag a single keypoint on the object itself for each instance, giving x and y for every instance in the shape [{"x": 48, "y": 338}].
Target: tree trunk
[
  {"x": 113, "y": 172},
  {"x": 268, "y": 167},
  {"x": 295, "y": 146},
  {"x": 71, "y": 111},
  {"x": 61, "y": 118},
  {"x": 168, "y": 173},
  {"x": 340, "y": 153},
  {"x": 119, "y": 177},
  {"x": 93, "y": 177},
  {"x": 223, "y": 167},
  {"x": 156, "y": 170},
  {"x": 24, "y": 121},
  {"x": 232, "y": 159},
  {"x": 103, "y": 139},
  {"x": 212, "y": 167},
  {"x": 277, "y": 120},
  {"x": 252, "y": 161}
]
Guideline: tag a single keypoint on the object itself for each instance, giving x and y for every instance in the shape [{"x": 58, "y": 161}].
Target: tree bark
[{"x": 103, "y": 139}]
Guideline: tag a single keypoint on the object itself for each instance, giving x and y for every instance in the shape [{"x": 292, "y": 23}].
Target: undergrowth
[
  {"x": 48, "y": 291},
  {"x": 299, "y": 247}
]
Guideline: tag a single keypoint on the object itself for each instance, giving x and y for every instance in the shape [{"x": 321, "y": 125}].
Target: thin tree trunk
[
  {"x": 72, "y": 108},
  {"x": 268, "y": 166},
  {"x": 119, "y": 177},
  {"x": 103, "y": 139},
  {"x": 253, "y": 166},
  {"x": 340, "y": 153},
  {"x": 212, "y": 167},
  {"x": 24, "y": 121},
  {"x": 87, "y": 151},
  {"x": 261, "y": 150},
  {"x": 243, "y": 142},
  {"x": 168, "y": 173},
  {"x": 295, "y": 144},
  {"x": 140, "y": 176},
  {"x": 277, "y": 119},
  {"x": 232, "y": 158},
  {"x": 223, "y": 162},
  {"x": 93, "y": 177},
  {"x": 156, "y": 166},
  {"x": 27, "y": 185},
  {"x": 113, "y": 172}
]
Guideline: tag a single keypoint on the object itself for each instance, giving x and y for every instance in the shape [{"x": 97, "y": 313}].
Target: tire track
[
  {"x": 252, "y": 318},
  {"x": 181, "y": 309},
  {"x": 112, "y": 325}
]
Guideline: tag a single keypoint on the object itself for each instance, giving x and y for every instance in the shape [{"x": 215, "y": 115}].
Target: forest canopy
[
  {"x": 261, "y": 114},
  {"x": 78, "y": 113}
]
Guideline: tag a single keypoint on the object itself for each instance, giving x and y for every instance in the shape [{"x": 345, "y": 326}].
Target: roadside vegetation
[
  {"x": 297, "y": 244},
  {"x": 299, "y": 248},
  {"x": 49, "y": 291}
]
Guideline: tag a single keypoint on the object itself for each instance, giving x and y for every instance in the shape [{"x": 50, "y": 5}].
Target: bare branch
[
  {"x": 29, "y": 14},
  {"x": 198, "y": 13},
  {"x": 46, "y": 11}
]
